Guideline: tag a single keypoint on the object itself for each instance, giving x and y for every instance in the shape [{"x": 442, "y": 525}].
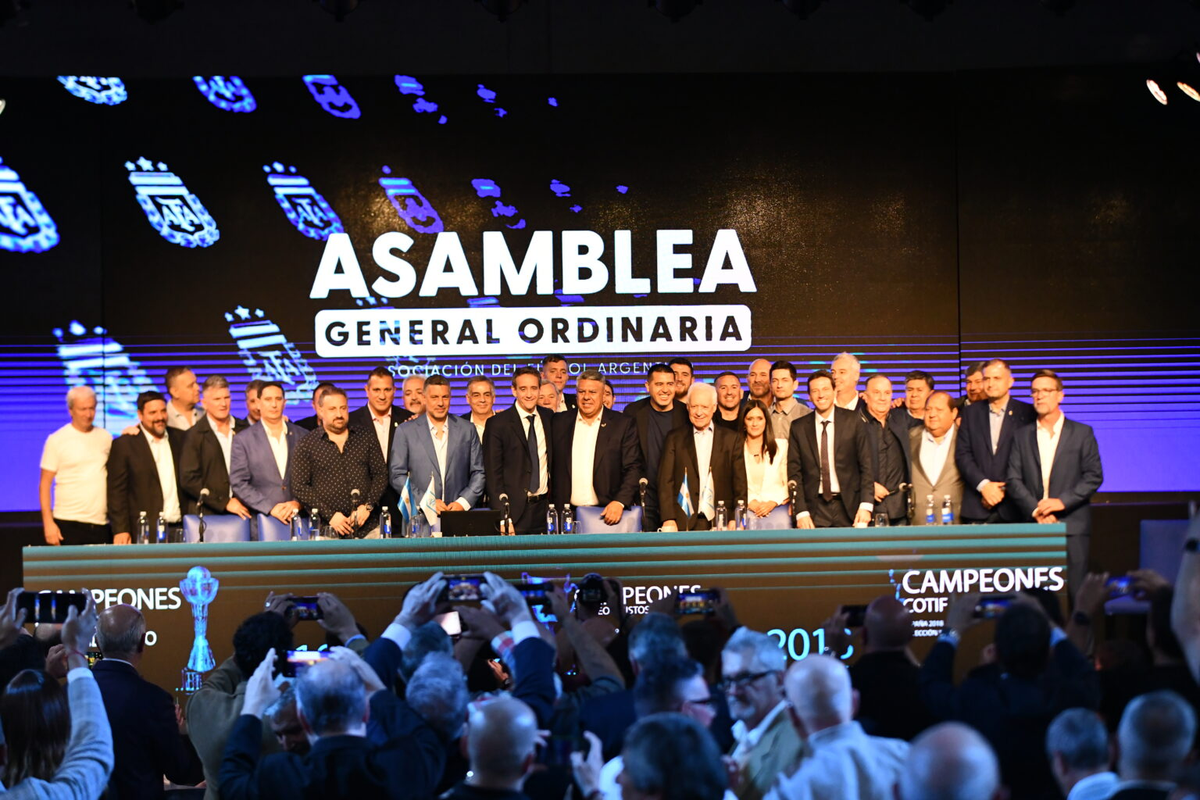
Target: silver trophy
[{"x": 200, "y": 589}]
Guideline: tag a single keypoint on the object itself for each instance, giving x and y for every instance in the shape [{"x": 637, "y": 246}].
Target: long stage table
[{"x": 784, "y": 582}]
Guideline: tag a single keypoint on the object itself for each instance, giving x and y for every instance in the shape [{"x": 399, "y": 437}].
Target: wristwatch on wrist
[{"x": 1081, "y": 618}]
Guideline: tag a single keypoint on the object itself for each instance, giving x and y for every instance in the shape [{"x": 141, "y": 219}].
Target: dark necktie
[
  {"x": 535, "y": 473},
  {"x": 826, "y": 494}
]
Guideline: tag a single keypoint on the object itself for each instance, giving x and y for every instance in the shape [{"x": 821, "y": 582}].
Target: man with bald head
[
  {"x": 758, "y": 382},
  {"x": 149, "y": 739},
  {"x": 950, "y": 762},
  {"x": 934, "y": 471},
  {"x": 886, "y": 674},
  {"x": 706, "y": 457},
  {"x": 502, "y": 748},
  {"x": 843, "y": 762}
]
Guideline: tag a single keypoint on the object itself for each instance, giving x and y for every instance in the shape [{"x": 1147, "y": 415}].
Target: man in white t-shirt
[{"x": 75, "y": 460}]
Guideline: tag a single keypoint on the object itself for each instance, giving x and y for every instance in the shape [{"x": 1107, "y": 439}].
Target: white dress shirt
[
  {"x": 383, "y": 429},
  {"x": 441, "y": 448},
  {"x": 995, "y": 422},
  {"x": 845, "y": 764},
  {"x": 935, "y": 453},
  {"x": 704, "y": 445},
  {"x": 852, "y": 405},
  {"x": 225, "y": 440},
  {"x": 583, "y": 461},
  {"x": 1095, "y": 787},
  {"x": 543, "y": 462},
  {"x": 479, "y": 426},
  {"x": 160, "y": 449},
  {"x": 1047, "y": 442},
  {"x": 279, "y": 448}
]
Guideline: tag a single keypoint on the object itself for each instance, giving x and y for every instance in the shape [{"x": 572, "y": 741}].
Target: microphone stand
[
  {"x": 642, "y": 492},
  {"x": 200, "y": 513}
]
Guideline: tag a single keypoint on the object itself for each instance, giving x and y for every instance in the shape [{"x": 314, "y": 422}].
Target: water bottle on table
[{"x": 552, "y": 520}]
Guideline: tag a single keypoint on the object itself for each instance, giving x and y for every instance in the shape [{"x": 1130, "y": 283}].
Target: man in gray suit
[
  {"x": 933, "y": 470},
  {"x": 260, "y": 468},
  {"x": 1053, "y": 471},
  {"x": 439, "y": 456}
]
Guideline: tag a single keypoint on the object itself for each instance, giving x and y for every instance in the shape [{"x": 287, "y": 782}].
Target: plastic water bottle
[
  {"x": 552, "y": 520},
  {"x": 314, "y": 523},
  {"x": 414, "y": 526},
  {"x": 740, "y": 518},
  {"x": 295, "y": 536},
  {"x": 385, "y": 523},
  {"x": 722, "y": 520},
  {"x": 568, "y": 521},
  {"x": 930, "y": 516},
  {"x": 160, "y": 531},
  {"x": 143, "y": 529},
  {"x": 947, "y": 511}
]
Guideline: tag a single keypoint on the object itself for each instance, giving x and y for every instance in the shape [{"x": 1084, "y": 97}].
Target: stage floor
[{"x": 784, "y": 582}]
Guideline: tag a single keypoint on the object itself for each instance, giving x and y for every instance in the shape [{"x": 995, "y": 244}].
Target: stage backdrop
[{"x": 313, "y": 227}]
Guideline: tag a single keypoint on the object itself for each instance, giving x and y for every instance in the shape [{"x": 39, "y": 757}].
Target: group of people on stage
[{"x": 688, "y": 453}]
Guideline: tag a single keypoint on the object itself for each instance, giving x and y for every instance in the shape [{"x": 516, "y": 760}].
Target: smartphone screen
[
  {"x": 300, "y": 660},
  {"x": 450, "y": 622},
  {"x": 462, "y": 589},
  {"x": 993, "y": 606},
  {"x": 50, "y": 607},
  {"x": 534, "y": 592},
  {"x": 1120, "y": 586},
  {"x": 307, "y": 608},
  {"x": 695, "y": 602}
]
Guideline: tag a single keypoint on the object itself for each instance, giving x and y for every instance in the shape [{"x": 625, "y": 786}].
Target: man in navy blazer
[
  {"x": 985, "y": 440},
  {"x": 147, "y": 741},
  {"x": 1053, "y": 471},
  {"x": 515, "y": 464},
  {"x": 254, "y": 471},
  {"x": 610, "y": 438},
  {"x": 439, "y": 447}
]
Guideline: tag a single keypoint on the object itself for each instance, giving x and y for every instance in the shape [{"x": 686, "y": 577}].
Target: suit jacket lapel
[
  {"x": 427, "y": 440},
  {"x": 1063, "y": 436},
  {"x": 689, "y": 444},
  {"x": 602, "y": 436},
  {"x": 810, "y": 435},
  {"x": 916, "y": 457}
]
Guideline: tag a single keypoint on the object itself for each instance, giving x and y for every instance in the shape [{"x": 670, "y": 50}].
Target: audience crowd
[{"x": 573, "y": 697}]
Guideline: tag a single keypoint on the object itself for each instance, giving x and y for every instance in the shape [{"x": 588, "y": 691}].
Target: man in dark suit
[
  {"x": 829, "y": 458},
  {"x": 554, "y": 369},
  {"x": 706, "y": 456},
  {"x": 516, "y": 456},
  {"x": 655, "y": 417},
  {"x": 481, "y": 397},
  {"x": 1053, "y": 471},
  {"x": 985, "y": 440},
  {"x": 596, "y": 460},
  {"x": 887, "y": 439},
  {"x": 147, "y": 740},
  {"x": 382, "y": 417},
  {"x": 1038, "y": 673},
  {"x": 335, "y": 697},
  {"x": 142, "y": 471},
  {"x": 207, "y": 450},
  {"x": 314, "y": 422},
  {"x": 260, "y": 470}
]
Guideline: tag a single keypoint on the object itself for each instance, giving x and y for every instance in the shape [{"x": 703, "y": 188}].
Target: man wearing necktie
[
  {"x": 829, "y": 457},
  {"x": 516, "y": 455},
  {"x": 709, "y": 457}
]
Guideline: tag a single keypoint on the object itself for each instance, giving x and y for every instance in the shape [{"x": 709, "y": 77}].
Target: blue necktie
[{"x": 535, "y": 473}]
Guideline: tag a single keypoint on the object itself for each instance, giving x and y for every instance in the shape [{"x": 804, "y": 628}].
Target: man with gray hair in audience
[
  {"x": 502, "y": 737},
  {"x": 148, "y": 732},
  {"x": 1154, "y": 741},
  {"x": 1080, "y": 755},
  {"x": 285, "y": 723},
  {"x": 950, "y": 761},
  {"x": 655, "y": 638},
  {"x": 843, "y": 762},
  {"x": 767, "y": 744}
]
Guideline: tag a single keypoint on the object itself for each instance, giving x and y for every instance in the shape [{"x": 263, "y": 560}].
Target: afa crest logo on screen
[
  {"x": 95, "y": 89},
  {"x": 172, "y": 210},
  {"x": 25, "y": 227},
  {"x": 332, "y": 96},
  {"x": 304, "y": 207},
  {"x": 227, "y": 93}
]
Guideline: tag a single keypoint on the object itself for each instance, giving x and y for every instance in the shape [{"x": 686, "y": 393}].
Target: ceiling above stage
[{"x": 284, "y": 37}]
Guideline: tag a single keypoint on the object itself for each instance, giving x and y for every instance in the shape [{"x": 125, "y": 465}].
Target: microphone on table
[
  {"x": 200, "y": 513},
  {"x": 354, "y": 503},
  {"x": 642, "y": 484},
  {"x": 792, "y": 496},
  {"x": 507, "y": 518}
]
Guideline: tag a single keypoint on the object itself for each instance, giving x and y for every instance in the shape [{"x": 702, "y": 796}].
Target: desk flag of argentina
[{"x": 685, "y": 497}]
